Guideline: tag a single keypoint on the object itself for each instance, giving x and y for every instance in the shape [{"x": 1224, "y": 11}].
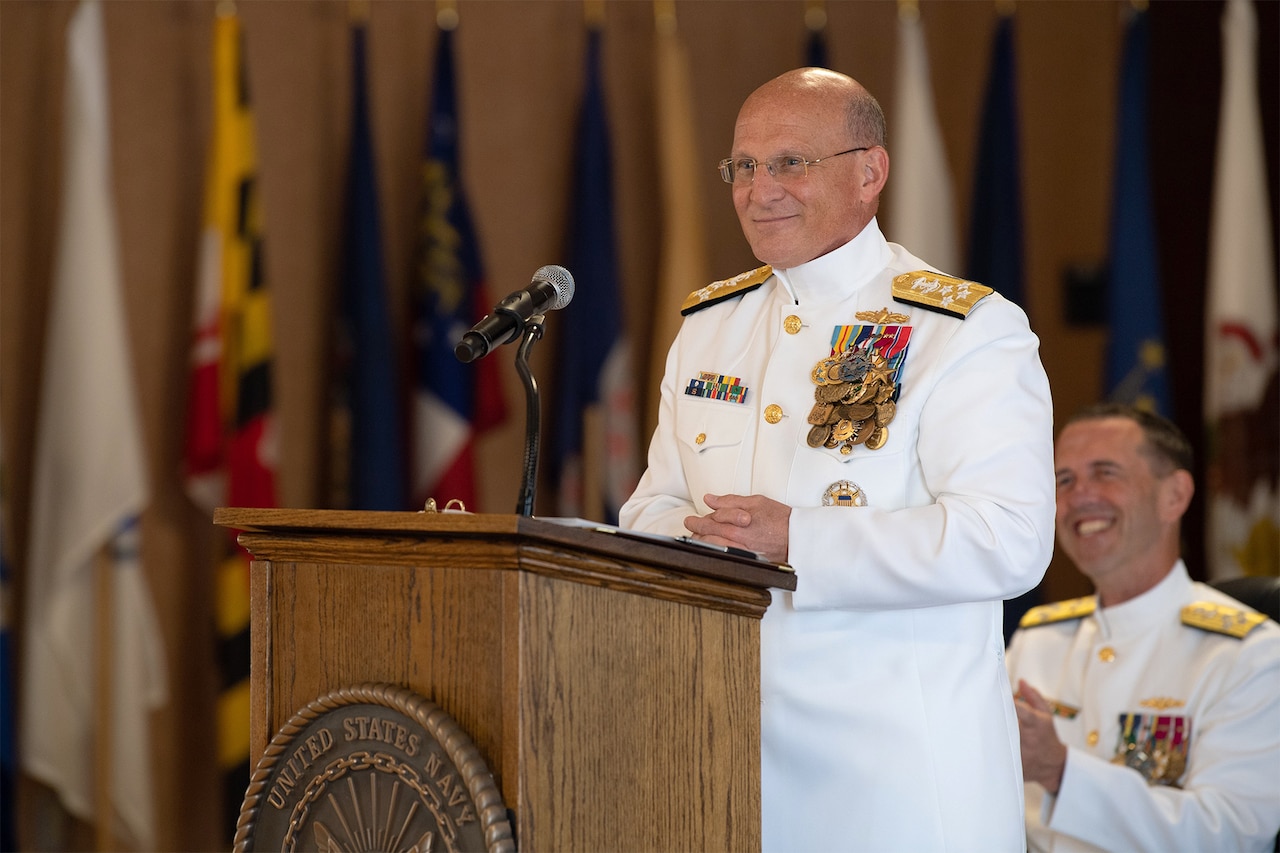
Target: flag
[
  {"x": 995, "y": 226},
  {"x": 232, "y": 445},
  {"x": 920, "y": 196},
  {"x": 89, "y": 487},
  {"x": 1135, "y": 358},
  {"x": 684, "y": 254},
  {"x": 995, "y": 223},
  {"x": 1241, "y": 405},
  {"x": 453, "y": 402},
  {"x": 595, "y": 376},
  {"x": 372, "y": 476}
]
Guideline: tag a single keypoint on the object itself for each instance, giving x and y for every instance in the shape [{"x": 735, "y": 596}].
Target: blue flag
[
  {"x": 1136, "y": 370},
  {"x": 453, "y": 402},
  {"x": 594, "y": 366},
  {"x": 815, "y": 49},
  {"x": 995, "y": 226},
  {"x": 367, "y": 364}
]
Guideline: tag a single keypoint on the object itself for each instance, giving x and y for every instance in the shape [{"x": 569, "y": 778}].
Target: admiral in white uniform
[
  {"x": 1151, "y": 711},
  {"x": 888, "y": 432}
]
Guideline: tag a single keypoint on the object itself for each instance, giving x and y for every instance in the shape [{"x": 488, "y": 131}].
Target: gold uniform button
[
  {"x": 701, "y": 439},
  {"x": 792, "y": 324},
  {"x": 773, "y": 413},
  {"x": 1106, "y": 654},
  {"x": 1093, "y": 738}
]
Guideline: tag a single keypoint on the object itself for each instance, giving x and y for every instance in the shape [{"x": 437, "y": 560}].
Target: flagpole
[{"x": 104, "y": 683}]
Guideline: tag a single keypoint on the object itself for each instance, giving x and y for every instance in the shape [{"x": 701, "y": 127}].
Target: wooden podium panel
[{"x": 611, "y": 684}]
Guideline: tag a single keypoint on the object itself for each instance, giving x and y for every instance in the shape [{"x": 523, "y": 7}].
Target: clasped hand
[
  {"x": 1044, "y": 756},
  {"x": 753, "y": 522}
]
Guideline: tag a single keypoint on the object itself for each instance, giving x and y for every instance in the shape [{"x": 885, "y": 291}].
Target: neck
[{"x": 1133, "y": 581}]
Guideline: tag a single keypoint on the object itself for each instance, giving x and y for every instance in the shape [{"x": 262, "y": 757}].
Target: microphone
[{"x": 551, "y": 288}]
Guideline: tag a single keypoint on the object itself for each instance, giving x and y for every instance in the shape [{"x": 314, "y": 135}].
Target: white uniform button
[
  {"x": 792, "y": 324},
  {"x": 773, "y": 413},
  {"x": 1106, "y": 654},
  {"x": 701, "y": 439}
]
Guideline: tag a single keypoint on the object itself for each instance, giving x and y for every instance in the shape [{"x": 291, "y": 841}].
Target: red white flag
[{"x": 1241, "y": 407}]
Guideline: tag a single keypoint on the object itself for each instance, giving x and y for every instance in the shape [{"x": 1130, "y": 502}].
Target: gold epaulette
[
  {"x": 1222, "y": 618},
  {"x": 718, "y": 291},
  {"x": 938, "y": 292},
  {"x": 1059, "y": 611}
]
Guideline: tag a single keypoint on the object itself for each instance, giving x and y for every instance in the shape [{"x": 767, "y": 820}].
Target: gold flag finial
[
  {"x": 815, "y": 15},
  {"x": 447, "y": 14},
  {"x": 664, "y": 15},
  {"x": 593, "y": 12},
  {"x": 909, "y": 10}
]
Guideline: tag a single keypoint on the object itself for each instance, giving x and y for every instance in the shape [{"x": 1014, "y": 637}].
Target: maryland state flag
[
  {"x": 231, "y": 443},
  {"x": 453, "y": 402}
]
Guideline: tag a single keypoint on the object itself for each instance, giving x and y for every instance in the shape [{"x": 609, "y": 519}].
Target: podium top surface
[{"x": 574, "y": 534}]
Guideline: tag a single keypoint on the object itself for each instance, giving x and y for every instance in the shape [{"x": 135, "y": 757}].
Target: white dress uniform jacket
[
  {"x": 1140, "y": 658},
  {"x": 887, "y": 721}
]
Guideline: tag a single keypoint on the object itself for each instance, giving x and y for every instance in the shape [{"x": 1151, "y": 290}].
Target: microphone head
[{"x": 560, "y": 280}]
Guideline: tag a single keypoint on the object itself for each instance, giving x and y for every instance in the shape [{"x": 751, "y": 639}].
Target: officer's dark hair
[{"x": 1166, "y": 446}]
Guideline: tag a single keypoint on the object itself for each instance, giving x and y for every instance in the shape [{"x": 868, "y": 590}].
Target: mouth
[{"x": 1093, "y": 526}]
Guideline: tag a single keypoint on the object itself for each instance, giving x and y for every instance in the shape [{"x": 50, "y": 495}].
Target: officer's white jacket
[
  {"x": 887, "y": 719},
  {"x": 1140, "y": 658}
]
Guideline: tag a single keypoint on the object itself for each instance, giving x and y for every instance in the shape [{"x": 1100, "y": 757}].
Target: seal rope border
[{"x": 450, "y": 736}]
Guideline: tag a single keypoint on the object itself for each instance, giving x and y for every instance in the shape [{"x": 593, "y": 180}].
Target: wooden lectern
[{"x": 609, "y": 680}]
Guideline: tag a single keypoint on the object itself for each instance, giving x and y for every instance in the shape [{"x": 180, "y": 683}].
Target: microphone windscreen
[{"x": 560, "y": 280}]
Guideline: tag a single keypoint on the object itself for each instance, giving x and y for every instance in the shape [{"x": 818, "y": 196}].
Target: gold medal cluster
[{"x": 853, "y": 401}]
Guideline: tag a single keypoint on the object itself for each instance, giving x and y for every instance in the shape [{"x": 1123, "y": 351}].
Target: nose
[{"x": 764, "y": 184}]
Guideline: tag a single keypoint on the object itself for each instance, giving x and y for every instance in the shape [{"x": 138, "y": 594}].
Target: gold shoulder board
[
  {"x": 1059, "y": 611},
  {"x": 718, "y": 291},
  {"x": 937, "y": 292},
  {"x": 1222, "y": 618}
]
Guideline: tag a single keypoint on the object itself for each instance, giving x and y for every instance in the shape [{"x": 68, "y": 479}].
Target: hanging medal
[{"x": 857, "y": 386}]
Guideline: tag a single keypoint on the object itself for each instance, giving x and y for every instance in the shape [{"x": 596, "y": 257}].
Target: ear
[
  {"x": 1175, "y": 495},
  {"x": 875, "y": 171}
]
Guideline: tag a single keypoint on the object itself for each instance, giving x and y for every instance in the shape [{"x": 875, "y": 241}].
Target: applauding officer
[{"x": 1150, "y": 711}]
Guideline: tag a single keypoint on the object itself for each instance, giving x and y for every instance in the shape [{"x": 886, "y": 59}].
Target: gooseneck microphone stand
[{"x": 532, "y": 415}]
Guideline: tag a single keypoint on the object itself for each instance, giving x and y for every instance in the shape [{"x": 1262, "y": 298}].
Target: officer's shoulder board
[
  {"x": 937, "y": 292},
  {"x": 1059, "y": 611},
  {"x": 1222, "y": 618},
  {"x": 719, "y": 291}
]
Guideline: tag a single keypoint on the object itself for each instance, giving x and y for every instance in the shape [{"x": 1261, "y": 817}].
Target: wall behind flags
[{"x": 519, "y": 67}]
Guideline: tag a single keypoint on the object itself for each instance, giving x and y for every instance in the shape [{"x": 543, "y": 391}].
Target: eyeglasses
[{"x": 784, "y": 167}]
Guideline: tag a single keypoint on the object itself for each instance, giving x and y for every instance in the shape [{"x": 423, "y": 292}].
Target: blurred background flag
[
  {"x": 921, "y": 204},
  {"x": 1241, "y": 404},
  {"x": 1135, "y": 369},
  {"x": 596, "y": 400},
  {"x": 683, "y": 264},
  {"x": 995, "y": 223},
  {"x": 368, "y": 415},
  {"x": 232, "y": 449},
  {"x": 453, "y": 402},
  {"x": 94, "y": 659}
]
